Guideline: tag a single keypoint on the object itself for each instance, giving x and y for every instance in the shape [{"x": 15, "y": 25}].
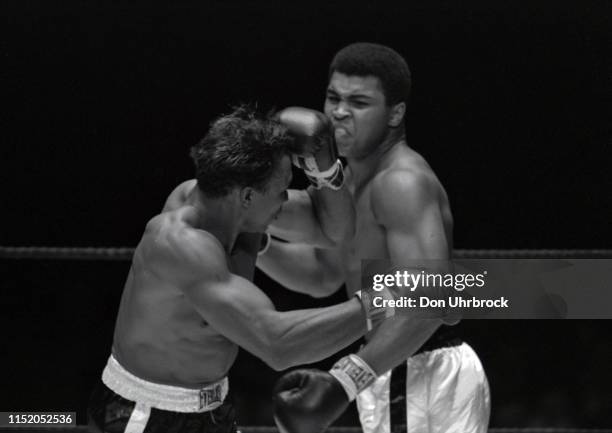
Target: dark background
[{"x": 512, "y": 106}]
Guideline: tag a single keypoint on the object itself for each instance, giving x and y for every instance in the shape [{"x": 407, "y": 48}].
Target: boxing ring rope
[
  {"x": 125, "y": 253},
  {"x": 265, "y": 429}
]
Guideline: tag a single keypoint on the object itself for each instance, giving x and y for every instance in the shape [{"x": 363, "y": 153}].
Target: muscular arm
[
  {"x": 310, "y": 262},
  {"x": 302, "y": 268},
  {"x": 321, "y": 218},
  {"x": 325, "y": 216},
  {"x": 407, "y": 206},
  {"x": 245, "y": 315}
]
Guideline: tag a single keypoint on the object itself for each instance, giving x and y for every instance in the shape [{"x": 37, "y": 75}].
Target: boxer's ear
[
  {"x": 246, "y": 196},
  {"x": 396, "y": 116}
]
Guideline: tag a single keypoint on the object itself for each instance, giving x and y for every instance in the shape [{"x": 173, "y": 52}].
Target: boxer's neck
[
  {"x": 363, "y": 169},
  {"x": 218, "y": 216}
]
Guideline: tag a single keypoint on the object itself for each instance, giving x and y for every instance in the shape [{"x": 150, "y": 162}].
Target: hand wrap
[{"x": 354, "y": 374}]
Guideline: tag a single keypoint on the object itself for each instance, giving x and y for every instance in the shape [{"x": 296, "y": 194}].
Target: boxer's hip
[
  {"x": 123, "y": 402},
  {"x": 445, "y": 336},
  {"x": 164, "y": 397},
  {"x": 439, "y": 390}
]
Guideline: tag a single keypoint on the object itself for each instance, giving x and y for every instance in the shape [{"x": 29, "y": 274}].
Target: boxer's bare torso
[
  {"x": 371, "y": 239},
  {"x": 159, "y": 335}
]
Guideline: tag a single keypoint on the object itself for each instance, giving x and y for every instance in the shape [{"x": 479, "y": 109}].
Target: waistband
[
  {"x": 445, "y": 336},
  {"x": 164, "y": 397}
]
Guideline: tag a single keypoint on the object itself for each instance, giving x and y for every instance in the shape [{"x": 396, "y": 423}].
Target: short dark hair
[
  {"x": 240, "y": 149},
  {"x": 365, "y": 59}
]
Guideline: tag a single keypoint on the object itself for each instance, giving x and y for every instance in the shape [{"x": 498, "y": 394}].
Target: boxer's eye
[{"x": 333, "y": 99}]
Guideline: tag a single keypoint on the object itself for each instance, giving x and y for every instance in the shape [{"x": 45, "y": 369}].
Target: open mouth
[{"x": 340, "y": 133}]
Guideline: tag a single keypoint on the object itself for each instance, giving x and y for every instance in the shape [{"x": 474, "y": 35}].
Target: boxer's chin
[
  {"x": 341, "y": 134},
  {"x": 344, "y": 147}
]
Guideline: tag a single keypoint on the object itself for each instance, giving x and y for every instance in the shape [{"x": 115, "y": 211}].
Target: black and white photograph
[{"x": 298, "y": 217}]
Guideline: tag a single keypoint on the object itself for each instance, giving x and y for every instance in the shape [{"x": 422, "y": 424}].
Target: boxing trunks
[
  {"x": 442, "y": 388},
  {"x": 125, "y": 403}
]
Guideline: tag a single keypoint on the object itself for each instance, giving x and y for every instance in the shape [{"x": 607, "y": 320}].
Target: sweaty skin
[
  {"x": 188, "y": 303},
  {"x": 372, "y": 239},
  {"x": 387, "y": 227},
  {"x": 159, "y": 336},
  {"x": 402, "y": 213}
]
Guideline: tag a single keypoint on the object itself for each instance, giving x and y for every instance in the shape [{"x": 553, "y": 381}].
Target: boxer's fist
[
  {"x": 308, "y": 401},
  {"x": 313, "y": 131}
]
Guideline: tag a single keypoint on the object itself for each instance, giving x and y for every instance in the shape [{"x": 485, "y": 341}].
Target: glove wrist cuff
[
  {"x": 354, "y": 374},
  {"x": 332, "y": 178},
  {"x": 334, "y": 181}
]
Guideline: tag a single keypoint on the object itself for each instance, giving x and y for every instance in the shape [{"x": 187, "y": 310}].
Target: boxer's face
[
  {"x": 266, "y": 205},
  {"x": 357, "y": 108}
]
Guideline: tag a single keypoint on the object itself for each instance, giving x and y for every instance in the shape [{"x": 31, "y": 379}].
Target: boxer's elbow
[
  {"x": 338, "y": 235},
  {"x": 286, "y": 358},
  {"x": 341, "y": 233},
  {"x": 278, "y": 364},
  {"x": 328, "y": 276}
]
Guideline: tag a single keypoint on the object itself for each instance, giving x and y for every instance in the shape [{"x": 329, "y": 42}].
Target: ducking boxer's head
[
  {"x": 246, "y": 156},
  {"x": 367, "y": 93}
]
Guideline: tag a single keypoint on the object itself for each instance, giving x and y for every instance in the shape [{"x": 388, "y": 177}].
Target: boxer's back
[
  {"x": 159, "y": 336},
  {"x": 370, "y": 240}
]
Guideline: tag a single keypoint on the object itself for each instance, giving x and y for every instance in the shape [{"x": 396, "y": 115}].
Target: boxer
[
  {"x": 402, "y": 213},
  {"x": 188, "y": 302}
]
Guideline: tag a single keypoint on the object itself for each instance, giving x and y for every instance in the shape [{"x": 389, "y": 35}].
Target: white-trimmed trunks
[
  {"x": 146, "y": 396},
  {"x": 444, "y": 390}
]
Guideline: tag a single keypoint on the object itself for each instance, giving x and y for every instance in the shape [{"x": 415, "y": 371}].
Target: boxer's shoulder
[
  {"x": 401, "y": 191},
  {"x": 196, "y": 247},
  {"x": 179, "y": 248},
  {"x": 178, "y": 196},
  {"x": 405, "y": 182}
]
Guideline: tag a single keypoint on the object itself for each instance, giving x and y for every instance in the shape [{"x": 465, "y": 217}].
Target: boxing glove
[
  {"x": 309, "y": 401},
  {"x": 318, "y": 156}
]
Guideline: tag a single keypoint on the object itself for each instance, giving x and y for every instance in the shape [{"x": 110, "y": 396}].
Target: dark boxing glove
[
  {"x": 309, "y": 401},
  {"x": 318, "y": 156}
]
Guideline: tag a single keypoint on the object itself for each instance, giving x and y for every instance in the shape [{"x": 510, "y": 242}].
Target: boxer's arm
[
  {"x": 244, "y": 314},
  {"x": 302, "y": 268},
  {"x": 406, "y": 205},
  {"x": 322, "y": 218},
  {"x": 334, "y": 213},
  {"x": 241, "y": 312}
]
